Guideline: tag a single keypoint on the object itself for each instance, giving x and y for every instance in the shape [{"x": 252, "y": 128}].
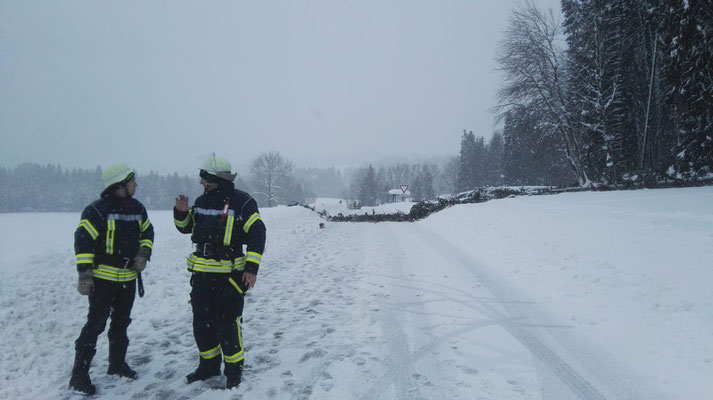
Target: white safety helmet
[
  {"x": 116, "y": 173},
  {"x": 218, "y": 167}
]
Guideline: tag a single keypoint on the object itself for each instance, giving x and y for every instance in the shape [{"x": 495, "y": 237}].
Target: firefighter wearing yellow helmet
[
  {"x": 221, "y": 222},
  {"x": 112, "y": 243}
]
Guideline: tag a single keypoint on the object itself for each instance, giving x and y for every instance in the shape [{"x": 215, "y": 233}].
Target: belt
[
  {"x": 113, "y": 260},
  {"x": 214, "y": 250}
]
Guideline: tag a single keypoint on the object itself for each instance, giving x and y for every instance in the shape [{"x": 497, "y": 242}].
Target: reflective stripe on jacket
[
  {"x": 111, "y": 230},
  {"x": 227, "y": 219}
]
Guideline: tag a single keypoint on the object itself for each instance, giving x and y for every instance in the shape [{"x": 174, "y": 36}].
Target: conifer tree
[
  {"x": 494, "y": 160},
  {"x": 690, "y": 72},
  {"x": 467, "y": 179},
  {"x": 597, "y": 48},
  {"x": 368, "y": 187}
]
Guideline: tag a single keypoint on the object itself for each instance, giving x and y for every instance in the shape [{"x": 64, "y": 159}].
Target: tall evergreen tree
[
  {"x": 518, "y": 160},
  {"x": 448, "y": 182},
  {"x": 531, "y": 156},
  {"x": 690, "y": 72},
  {"x": 422, "y": 187},
  {"x": 494, "y": 160},
  {"x": 467, "y": 179},
  {"x": 368, "y": 187},
  {"x": 479, "y": 169},
  {"x": 597, "y": 48},
  {"x": 382, "y": 193}
]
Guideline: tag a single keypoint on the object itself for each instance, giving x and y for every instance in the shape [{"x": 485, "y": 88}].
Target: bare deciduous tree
[
  {"x": 270, "y": 172},
  {"x": 535, "y": 76}
]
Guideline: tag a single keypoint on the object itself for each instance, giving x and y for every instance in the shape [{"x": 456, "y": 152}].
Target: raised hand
[{"x": 182, "y": 203}]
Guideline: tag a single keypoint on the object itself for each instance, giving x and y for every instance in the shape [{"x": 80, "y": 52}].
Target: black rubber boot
[
  {"x": 117, "y": 360},
  {"x": 205, "y": 370},
  {"x": 122, "y": 369},
  {"x": 80, "y": 380},
  {"x": 233, "y": 371}
]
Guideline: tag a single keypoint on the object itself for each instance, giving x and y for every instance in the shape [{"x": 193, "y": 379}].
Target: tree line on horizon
[
  {"x": 272, "y": 180},
  {"x": 31, "y": 187}
]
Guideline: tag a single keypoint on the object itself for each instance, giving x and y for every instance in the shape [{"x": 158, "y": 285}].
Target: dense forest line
[
  {"x": 32, "y": 187},
  {"x": 272, "y": 180}
]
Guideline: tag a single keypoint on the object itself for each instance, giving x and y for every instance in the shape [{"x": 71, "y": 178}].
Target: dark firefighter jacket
[
  {"x": 221, "y": 222},
  {"x": 109, "y": 235}
]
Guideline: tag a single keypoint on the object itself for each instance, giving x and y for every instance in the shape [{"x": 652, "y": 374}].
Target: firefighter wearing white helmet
[
  {"x": 112, "y": 243},
  {"x": 221, "y": 222},
  {"x": 217, "y": 167}
]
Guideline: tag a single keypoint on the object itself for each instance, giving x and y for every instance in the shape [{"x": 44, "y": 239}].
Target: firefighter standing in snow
[
  {"x": 221, "y": 221},
  {"x": 112, "y": 243}
]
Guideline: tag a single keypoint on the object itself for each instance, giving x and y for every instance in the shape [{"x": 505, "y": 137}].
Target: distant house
[{"x": 398, "y": 195}]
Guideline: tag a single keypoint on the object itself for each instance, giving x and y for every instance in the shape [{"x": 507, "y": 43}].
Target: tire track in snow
[
  {"x": 401, "y": 372},
  {"x": 410, "y": 347},
  {"x": 563, "y": 370},
  {"x": 590, "y": 379}
]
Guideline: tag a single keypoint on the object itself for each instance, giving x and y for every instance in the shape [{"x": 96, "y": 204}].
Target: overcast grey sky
[{"x": 159, "y": 84}]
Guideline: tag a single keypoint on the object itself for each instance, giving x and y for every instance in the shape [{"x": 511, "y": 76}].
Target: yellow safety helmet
[{"x": 116, "y": 173}]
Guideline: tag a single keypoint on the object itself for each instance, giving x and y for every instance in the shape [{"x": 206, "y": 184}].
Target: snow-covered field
[{"x": 576, "y": 296}]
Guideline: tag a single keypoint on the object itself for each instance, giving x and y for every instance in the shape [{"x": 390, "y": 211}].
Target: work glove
[
  {"x": 141, "y": 259},
  {"x": 85, "y": 286}
]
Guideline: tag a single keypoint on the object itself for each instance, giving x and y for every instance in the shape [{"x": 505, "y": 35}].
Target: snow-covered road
[{"x": 465, "y": 304}]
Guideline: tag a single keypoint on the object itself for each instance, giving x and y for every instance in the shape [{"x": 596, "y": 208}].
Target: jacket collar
[{"x": 223, "y": 189}]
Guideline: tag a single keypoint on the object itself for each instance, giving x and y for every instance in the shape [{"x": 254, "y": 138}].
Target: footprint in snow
[
  {"x": 166, "y": 374},
  {"x": 422, "y": 380},
  {"x": 164, "y": 394},
  {"x": 326, "y": 384},
  {"x": 316, "y": 353},
  {"x": 141, "y": 360}
]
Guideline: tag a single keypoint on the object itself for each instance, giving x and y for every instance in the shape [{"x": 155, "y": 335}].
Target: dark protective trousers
[
  {"x": 113, "y": 299},
  {"x": 217, "y": 301}
]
